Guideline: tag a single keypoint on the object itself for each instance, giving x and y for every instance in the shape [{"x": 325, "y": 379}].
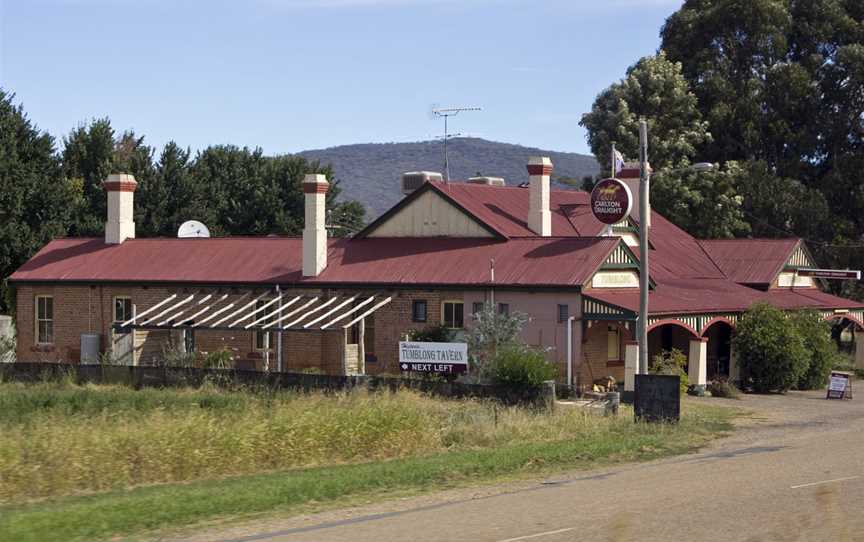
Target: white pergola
[
  {"x": 272, "y": 311},
  {"x": 268, "y": 311}
]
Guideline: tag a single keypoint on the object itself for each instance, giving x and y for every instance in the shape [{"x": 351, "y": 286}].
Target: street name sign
[
  {"x": 843, "y": 274},
  {"x": 611, "y": 201},
  {"x": 423, "y": 357}
]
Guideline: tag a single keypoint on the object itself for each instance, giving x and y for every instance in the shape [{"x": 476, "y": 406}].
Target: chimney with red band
[
  {"x": 539, "y": 217},
  {"x": 120, "y": 224},
  {"x": 314, "y": 231}
]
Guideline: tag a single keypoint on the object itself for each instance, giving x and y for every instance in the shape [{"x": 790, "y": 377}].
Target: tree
[
  {"x": 822, "y": 351},
  {"x": 654, "y": 89},
  {"x": 771, "y": 352},
  {"x": 90, "y": 154},
  {"x": 34, "y": 197},
  {"x": 728, "y": 49},
  {"x": 705, "y": 204},
  {"x": 491, "y": 331}
]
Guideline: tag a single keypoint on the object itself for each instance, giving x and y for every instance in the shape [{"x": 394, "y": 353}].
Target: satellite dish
[{"x": 192, "y": 228}]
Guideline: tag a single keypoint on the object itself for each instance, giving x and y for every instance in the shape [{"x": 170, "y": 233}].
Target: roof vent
[
  {"x": 489, "y": 181},
  {"x": 192, "y": 228},
  {"x": 412, "y": 180}
]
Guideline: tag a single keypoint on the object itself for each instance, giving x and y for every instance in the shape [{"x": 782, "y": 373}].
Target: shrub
[
  {"x": 7, "y": 349},
  {"x": 723, "y": 388},
  {"x": 771, "y": 352},
  {"x": 822, "y": 351},
  {"x": 218, "y": 359},
  {"x": 433, "y": 334},
  {"x": 671, "y": 362},
  {"x": 521, "y": 367},
  {"x": 491, "y": 332}
]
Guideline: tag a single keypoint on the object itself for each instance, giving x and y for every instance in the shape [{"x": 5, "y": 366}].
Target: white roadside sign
[{"x": 422, "y": 357}]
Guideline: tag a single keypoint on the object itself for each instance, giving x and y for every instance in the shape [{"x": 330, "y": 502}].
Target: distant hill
[{"x": 370, "y": 172}]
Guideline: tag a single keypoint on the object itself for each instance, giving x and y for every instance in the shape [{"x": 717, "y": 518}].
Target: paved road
[{"x": 795, "y": 471}]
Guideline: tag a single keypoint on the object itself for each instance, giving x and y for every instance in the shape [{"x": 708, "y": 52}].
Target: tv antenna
[{"x": 446, "y": 113}]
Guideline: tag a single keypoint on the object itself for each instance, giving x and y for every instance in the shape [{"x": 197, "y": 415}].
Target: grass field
[{"x": 82, "y": 462}]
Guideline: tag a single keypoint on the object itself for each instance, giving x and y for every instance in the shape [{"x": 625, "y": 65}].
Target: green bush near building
[
  {"x": 821, "y": 350},
  {"x": 522, "y": 367},
  {"x": 671, "y": 362},
  {"x": 773, "y": 349}
]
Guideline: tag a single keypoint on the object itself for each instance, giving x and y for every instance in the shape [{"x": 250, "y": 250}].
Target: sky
[{"x": 292, "y": 75}]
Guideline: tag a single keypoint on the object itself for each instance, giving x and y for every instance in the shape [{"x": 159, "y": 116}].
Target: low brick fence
[{"x": 144, "y": 377}]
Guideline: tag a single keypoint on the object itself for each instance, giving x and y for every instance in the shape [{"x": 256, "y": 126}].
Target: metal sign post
[{"x": 642, "y": 323}]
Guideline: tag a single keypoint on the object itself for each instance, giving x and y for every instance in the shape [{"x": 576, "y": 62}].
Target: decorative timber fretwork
[
  {"x": 621, "y": 258},
  {"x": 697, "y": 322},
  {"x": 799, "y": 258},
  {"x": 856, "y": 316},
  {"x": 594, "y": 309}
]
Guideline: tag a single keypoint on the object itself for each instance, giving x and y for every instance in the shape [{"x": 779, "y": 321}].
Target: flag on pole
[{"x": 617, "y": 161}]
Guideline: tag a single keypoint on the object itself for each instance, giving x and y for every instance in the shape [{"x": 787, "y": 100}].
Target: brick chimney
[
  {"x": 121, "y": 194},
  {"x": 539, "y": 217},
  {"x": 314, "y": 231},
  {"x": 629, "y": 174}
]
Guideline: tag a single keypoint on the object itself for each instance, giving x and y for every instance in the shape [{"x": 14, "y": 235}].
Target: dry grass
[{"x": 63, "y": 439}]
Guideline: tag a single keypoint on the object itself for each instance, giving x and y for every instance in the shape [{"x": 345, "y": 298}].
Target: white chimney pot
[
  {"x": 120, "y": 224},
  {"x": 315, "y": 188}
]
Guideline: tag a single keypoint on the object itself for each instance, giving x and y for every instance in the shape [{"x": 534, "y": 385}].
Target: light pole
[{"x": 644, "y": 177}]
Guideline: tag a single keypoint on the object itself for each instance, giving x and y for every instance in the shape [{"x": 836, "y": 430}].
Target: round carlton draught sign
[{"x": 611, "y": 201}]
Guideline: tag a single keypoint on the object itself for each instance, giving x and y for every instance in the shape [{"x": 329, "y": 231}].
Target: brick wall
[
  {"x": 595, "y": 362},
  {"x": 89, "y": 309}
]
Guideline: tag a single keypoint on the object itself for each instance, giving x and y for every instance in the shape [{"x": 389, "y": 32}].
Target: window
[
  {"x": 476, "y": 308},
  {"x": 504, "y": 308},
  {"x": 189, "y": 341},
  {"x": 44, "y": 319},
  {"x": 563, "y": 313},
  {"x": 262, "y": 338},
  {"x": 369, "y": 339},
  {"x": 452, "y": 314},
  {"x": 419, "y": 310},
  {"x": 613, "y": 344},
  {"x": 122, "y": 309}
]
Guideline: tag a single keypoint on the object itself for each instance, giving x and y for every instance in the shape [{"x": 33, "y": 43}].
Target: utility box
[
  {"x": 657, "y": 398},
  {"x": 90, "y": 346}
]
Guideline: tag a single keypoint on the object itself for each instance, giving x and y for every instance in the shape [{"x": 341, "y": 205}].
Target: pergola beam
[
  {"x": 367, "y": 313},
  {"x": 274, "y": 313},
  {"x": 313, "y": 311},
  {"x": 169, "y": 309},
  {"x": 220, "y": 311},
  {"x": 290, "y": 314},
  {"x": 238, "y": 311},
  {"x": 205, "y": 309},
  {"x": 256, "y": 311},
  {"x": 350, "y": 311},
  {"x": 328, "y": 313},
  {"x": 148, "y": 311}
]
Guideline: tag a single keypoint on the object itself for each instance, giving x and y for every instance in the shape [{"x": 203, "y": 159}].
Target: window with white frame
[
  {"x": 44, "y": 319},
  {"x": 452, "y": 314},
  {"x": 613, "y": 343},
  {"x": 122, "y": 309}
]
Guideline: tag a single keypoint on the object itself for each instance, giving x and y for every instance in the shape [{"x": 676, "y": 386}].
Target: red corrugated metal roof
[
  {"x": 271, "y": 260},
  {"x": 675, "y": 253},
  {"x": 685, "y": 296},
  {"x": 750, "y": 261},
  {"x": 505, "y": 208},
  {"x": 718, "y": 295}
]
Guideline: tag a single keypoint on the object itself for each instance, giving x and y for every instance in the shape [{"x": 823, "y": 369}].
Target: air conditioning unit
[
  {"x": 489, "y": 181},
  {"x": 413, "y": 180}
]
